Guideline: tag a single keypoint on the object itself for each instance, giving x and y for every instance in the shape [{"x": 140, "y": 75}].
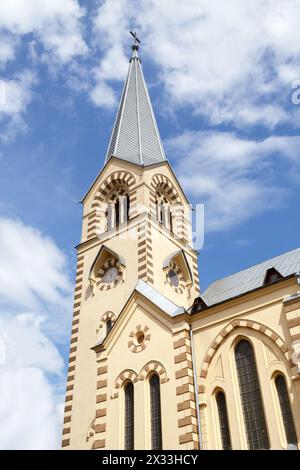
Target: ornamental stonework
[{"x": 139, "y": 339}]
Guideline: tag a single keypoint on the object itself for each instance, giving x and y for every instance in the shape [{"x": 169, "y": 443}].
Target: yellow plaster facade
[{"x": 94, "y": 412}]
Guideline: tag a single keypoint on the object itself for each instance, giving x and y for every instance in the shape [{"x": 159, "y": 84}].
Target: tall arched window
[
  {"x": 223, "y": 421},
  {"x": 155, "y": 413},
  {"x": 286, "y": 411},
  {"x": 117, "y": 212},
  {"x": 129, "y": 417},
  {"x": 252, "y": 405},
  {"x": 108, "y": 326},
  {"x": 164, "y": 213},
  {"x": 118, "y": 208},
  {"x": 127, "y": 207}
]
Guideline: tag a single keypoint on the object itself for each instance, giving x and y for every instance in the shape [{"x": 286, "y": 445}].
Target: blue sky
[{"x": 220, "y": 81}]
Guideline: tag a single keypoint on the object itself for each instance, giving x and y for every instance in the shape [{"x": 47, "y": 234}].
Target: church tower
[
  {"x": 152, "y": 364},
  {"x": 136, "y": 278}
]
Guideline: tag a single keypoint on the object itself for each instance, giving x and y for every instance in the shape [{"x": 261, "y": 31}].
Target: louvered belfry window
[
  {"x": 286, "y": 411},
  {"x": 223, "y": 421},
  {"x": 129, "y": 416},
  {"x": 251, "y": 399},
  {"x": 155, "y": 412}
]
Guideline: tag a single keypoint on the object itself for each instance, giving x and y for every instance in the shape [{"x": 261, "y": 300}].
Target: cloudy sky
[{"x": 222, "y": 77}]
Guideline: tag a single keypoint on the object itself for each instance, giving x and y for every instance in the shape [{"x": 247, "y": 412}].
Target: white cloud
[
  {"x": 16, "y": 95},
  {"x": 228, "y": 61},
  {"x": 234, "y": 177},
  {"x": 56, "y": 23},
  {"x": 8, "y": 45},
  {"x": 35, "y": 311},
  {"x": 40, "y": 266},
  {"x": 57, "y": 39},
  {"x": 33, "y": 273},
  {"x": 109, "y": 25}
]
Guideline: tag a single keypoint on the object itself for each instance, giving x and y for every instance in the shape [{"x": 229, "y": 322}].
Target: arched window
[
  {"x": 117, "y": 212},
  {"x": 155, "y": 413},
  {"x": 286, "y": 411},
  {"x": 127, "y": 208},
  {"x": 118, "y": 208},
  {"x": 108, "y": 326},
  {"x": 223, "y": 421},
  {"x": 164, "y": 213},
  {"x": 252, "y": 405},
  {"x": 159, "y": 209},
  {"x": 129, "y": 417}
]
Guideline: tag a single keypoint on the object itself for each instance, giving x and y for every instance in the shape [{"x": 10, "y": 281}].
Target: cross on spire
[{"x": 136, "y": 39}]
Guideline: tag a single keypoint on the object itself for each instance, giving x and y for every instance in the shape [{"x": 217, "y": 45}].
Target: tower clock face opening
[
  {"x": 110, "y": 275},
  {"x": 174, "y": 280}
]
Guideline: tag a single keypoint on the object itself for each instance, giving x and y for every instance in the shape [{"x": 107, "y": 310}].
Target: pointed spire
[{"x": 135, "y": 137}]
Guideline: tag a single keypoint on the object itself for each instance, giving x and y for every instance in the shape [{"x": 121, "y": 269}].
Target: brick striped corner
[
  {"x": 186, "y": 403},
  {"x": 292, "y": 314},
  {"x": 196, "y": 275},
  {"x": 72, "y": 354},
  {"x": 101, "y": 406},
  {"x": 145, "y": 257}
]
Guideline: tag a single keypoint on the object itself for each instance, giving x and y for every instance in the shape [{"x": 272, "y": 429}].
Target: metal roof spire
[{"x": 135, "y": 137}]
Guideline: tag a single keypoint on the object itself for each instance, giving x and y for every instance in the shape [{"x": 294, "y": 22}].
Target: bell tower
[{"x": 136, "y": 236}]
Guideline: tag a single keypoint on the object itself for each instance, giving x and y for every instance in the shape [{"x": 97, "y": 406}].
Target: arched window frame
[
  {"x": 164, "y": 210},
  {"x": 284, "y": 433},
  {"x": 128, "y": 415},
  {"x": 109, "y": 325},
  {"x": 156, "y": 436},
  {"x": 234, "y": 348},
  {"x": 225, "y": 441},
  {"x": 118, "y": 207}
]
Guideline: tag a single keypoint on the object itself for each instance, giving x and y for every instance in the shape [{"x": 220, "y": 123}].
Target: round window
[
  {"x": 110, "y": 275},
  {"x": 140, "y": 336},
  {"x": 173, "y": 278}
]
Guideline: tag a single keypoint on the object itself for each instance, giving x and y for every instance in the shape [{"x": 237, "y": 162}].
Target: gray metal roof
[
  {"x": 158, "y": 299},
  {"x": 251, "y": 278},
  {"x": 135, "y": 137}
]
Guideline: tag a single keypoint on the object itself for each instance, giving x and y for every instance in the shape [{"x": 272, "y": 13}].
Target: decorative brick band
[
  {"x": 139, "y": 338},
  {"x": 145, "y": 257},
  {"x": 104, "y": 318},
  {"x": 186, "y": 403},
  {"x": 110, "y": 263},
  {"x": 292, "y": 313},
  {"x": 228, "y": 329},
  {"x": 133, "y": 204},
  {"x": 101, "y": 406},
  {"x": 154, "y": 366},
  {"x": 162, "y": 184},
  {"x": 195, "y": 275},
  {"x": 181, "y": 286},
  {"x": 127, "y": 374},
  {"x": 130, "y": 374},
  {"x": 72, "y": 355},
  {"x": 119, "y": 178}
]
